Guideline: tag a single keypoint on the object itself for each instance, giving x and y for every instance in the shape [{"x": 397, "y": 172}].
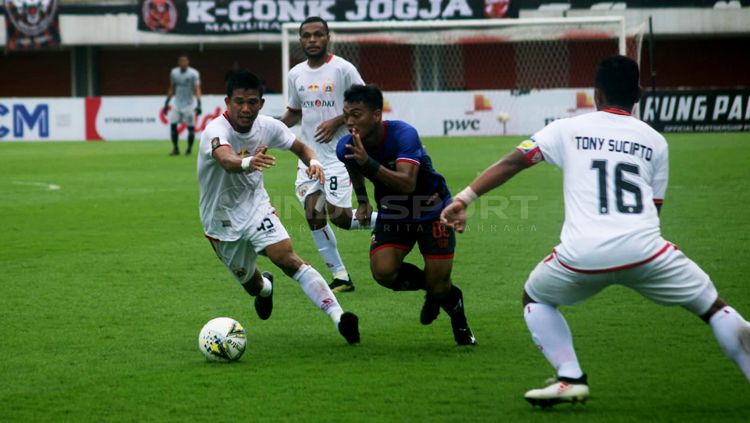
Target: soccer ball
[{"x": 222, "y": 339}]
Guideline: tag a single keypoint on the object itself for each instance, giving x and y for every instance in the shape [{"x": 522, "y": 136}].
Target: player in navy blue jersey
[{"x": 410, "y": 195}]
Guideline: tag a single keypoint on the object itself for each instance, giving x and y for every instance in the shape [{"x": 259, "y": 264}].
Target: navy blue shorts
[{"x": 435, "y": 240}]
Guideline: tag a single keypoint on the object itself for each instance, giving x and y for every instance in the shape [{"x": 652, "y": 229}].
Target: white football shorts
[
  {"x": 182, "y": 114},
  {"x": 337, "y": 189},
  {"x": 240, "y": 256},
  {"x": 671, "y": 279}
]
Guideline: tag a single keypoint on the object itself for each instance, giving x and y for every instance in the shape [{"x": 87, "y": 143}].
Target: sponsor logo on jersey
[
  {"x": 329, "y": 87},
  {"x": 301, "y": 88},
  {"x": 159, "y": 15},
  {"x": 318, "y": 103},
  {"x": 313, "y": 87}
]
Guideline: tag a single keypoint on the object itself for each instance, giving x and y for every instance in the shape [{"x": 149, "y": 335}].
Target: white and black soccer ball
[{"x": 222, "y": 339}]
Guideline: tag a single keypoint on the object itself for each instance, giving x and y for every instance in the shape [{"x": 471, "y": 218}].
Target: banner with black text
[
  {"x": 245, "y": 16},
  {"x": 697, "y": 110}
]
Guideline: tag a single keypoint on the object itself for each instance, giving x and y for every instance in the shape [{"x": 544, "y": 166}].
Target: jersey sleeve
[
  {"x": 211, "y": 139},
  {"x": 409, "y": 147},
  {"x": 341, "y": 150},
  {"x": 280, "y": 137},
  {"x": 549, "y": 140},
  {"x": 661, "y": 176},
  {"x": 352, "y": 77},
  {"x": 293, "y": 102}
]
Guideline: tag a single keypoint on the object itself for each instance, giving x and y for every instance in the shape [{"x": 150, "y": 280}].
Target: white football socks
[
  {"x": 317, "y": 290},
  {"x": 356, "y": 225},
  {"x": 730, "y": 329},
  {"x": 552, "y": 336},
  {"x": 267, "y": 288},
  {"x": 325, "y": 240}
]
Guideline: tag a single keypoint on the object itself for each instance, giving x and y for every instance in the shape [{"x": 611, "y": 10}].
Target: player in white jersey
[
  {"x": 185, "y": 86},
  {"x": 615, "y": 171},
  {"x": 235, "y": 209},
  {"x": 316, "y": 98}
]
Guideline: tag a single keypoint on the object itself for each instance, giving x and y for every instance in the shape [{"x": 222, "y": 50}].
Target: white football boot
[{"x": 560, "y": 390}]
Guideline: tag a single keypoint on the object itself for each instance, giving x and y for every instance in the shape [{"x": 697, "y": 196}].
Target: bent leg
[
  {"x": 549, "y": 330},
  {"x": 675, "y": 279},
  {"x": 312, "y": 283}
]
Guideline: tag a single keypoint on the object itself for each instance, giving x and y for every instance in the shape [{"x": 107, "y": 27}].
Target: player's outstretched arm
[
  {"x": 234, "y": 163},
  {"x": 308, "y": 157},
  {"x": 454, "y": 216},
  {"x": 291, "y": 117}
]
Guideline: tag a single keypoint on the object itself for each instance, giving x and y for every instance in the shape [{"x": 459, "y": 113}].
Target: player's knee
[
  {"x": 341, "y": 220},
  {"x": 385, "y": 277}
]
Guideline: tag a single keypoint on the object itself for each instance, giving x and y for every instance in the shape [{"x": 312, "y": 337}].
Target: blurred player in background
[
  {"x": 316, "y": 97},
  {"x": 410, "y": 195},
  {"x": 615, "y": 171},
  {"x": 185, "y": 86},
  {"x": 235, "y": 209}
]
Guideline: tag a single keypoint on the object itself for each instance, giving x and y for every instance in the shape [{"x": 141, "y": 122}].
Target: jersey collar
[{"x": 615, "y": 111}]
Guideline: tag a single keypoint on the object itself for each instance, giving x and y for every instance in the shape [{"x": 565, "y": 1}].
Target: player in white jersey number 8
[
  {"x": 615, "y": 176},
  {"x": 316, "y": 97}
]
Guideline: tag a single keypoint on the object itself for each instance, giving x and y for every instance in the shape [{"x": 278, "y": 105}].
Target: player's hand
[
  {"x": 454, "y": 216},
  {"x": 364, "y": 214},
  {"x": 261, "y": 149},
  {"x": 165, "y": 110},
  {"x": 198, "y": 111},
  {"x": 326, "y": 130},
  {"x": 315, "y": 171},
  {"x": 357, "y": 149},
  {"x": 262, "y": 161}
]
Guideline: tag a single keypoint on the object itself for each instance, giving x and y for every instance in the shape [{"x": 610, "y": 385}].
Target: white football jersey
[
  {"x": 184, "y": 84},
  {"x": 319, "y": 94},
  {"x": 615, "y": 168},
  {"x": 228, "y": 201}
]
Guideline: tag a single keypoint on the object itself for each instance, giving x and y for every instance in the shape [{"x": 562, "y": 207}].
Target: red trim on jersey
[
  {"x": 658, "y": 201},
  {"x": 229, "y": 119},
  {"x": 533, "y": 156},
  {"x": 438, "y": 256},
  {"x": 330, "y": 57},
  {"x": 615, "y": 269},
  {"x": 210, "y": 238},
  {"x": 549, "y": 257},
  {"x": 407, "y": 160},
  {"x": 616, "y": 111},
  {"x": 380, "y": 247}
]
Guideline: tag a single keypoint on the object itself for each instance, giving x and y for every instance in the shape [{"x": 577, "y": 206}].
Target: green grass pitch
[{"x": 106, "y": 281}]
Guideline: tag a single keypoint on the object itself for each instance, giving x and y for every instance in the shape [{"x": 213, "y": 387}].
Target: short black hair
[
  {"x": 369, "y": 95},
  {"x": 618, "y": 78},
  {"x": 243, "y": 78},
  {"x": 312, "y": 19}
]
